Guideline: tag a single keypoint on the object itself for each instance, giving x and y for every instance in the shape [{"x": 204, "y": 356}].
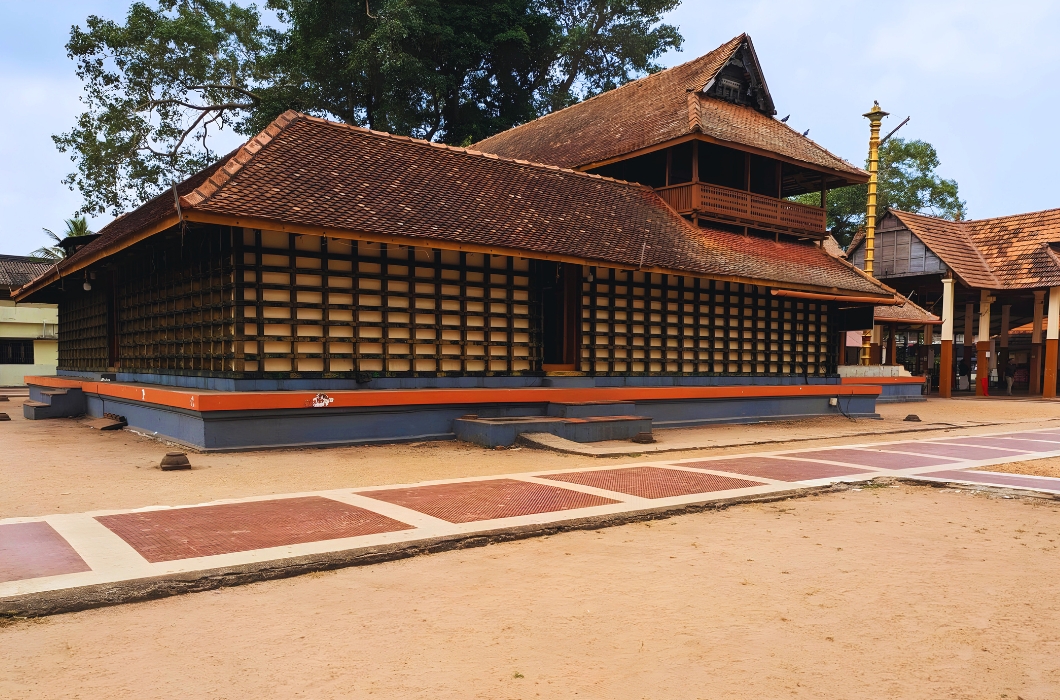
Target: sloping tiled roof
[
  {"x": 655, "y": 109},
  {"x": 305, "y": 171},
  {"x": 906, "y": 312},
  {"x": 16, "y": 270},
  {"x": 1007, "y": 252}
]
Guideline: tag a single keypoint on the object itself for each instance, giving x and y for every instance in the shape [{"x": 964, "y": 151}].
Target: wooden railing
[{"x": 715, "y": 201}]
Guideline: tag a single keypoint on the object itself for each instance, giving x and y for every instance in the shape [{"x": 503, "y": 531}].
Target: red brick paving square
[
  {"x": 33, "y": 550},
  {"x": 181, "y": 533},
  {"x": 1030, "y": 482},
  {"x": 774, "y": 468},
  {"x": 874, "y": 458},
  {"x": 653, "y": 482},
  {"x": 941, "y": 449},
  {"x": 1000, "y": 443},
  {"x": 469, "y": 501}
]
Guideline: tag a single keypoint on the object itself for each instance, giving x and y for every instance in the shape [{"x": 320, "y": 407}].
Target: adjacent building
[
  {"x": 983, "y": 277},
  {"x": 28, "y": 330}
]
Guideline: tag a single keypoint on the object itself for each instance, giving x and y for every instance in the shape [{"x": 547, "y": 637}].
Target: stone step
[
  {"x": 503, "y": 432},
  {"x": 38, "y": 410},
  {"x": 49, "y": 402}
]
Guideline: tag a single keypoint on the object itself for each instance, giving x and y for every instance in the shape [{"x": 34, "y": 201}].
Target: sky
[{"x": 978, "y": 80}]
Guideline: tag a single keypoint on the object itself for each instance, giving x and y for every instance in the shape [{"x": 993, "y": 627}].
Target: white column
[
  {"x": 1036, "y": 333},
  {"x": 947, "y": 309},
  {"x": 984, "y": 316}
]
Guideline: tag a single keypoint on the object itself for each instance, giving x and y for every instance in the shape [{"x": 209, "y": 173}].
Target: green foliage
[
  {"x": 153, "y": 88},
  {"x": 450, "y": 70},
  {"x": 76, "y": 226},
  {"x": 457, "y": 70},
  {"x": 908, "y": 182}
]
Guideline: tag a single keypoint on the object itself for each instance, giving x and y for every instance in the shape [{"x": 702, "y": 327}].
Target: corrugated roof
[
  {"x": 310, "y": 172},
  {"x": 655, "y": 109}
]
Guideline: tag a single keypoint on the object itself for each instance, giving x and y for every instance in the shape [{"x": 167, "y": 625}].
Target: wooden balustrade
[{"x": 743, "y": 207}]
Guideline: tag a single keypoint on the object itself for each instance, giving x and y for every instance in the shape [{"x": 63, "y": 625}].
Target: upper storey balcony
[{"x": 707, "y": 182}]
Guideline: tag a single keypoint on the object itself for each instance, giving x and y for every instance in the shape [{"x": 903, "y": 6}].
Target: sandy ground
[
  {"x": 1037, "y": 467},
  {"x": 907, "y": 592},
  {"x": 61, "y": 466}
]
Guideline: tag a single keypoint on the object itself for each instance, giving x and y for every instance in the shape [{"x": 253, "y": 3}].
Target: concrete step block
[{"x": 589, "y": 409}]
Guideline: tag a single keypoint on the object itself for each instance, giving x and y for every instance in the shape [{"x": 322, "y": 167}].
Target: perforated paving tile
[
  {"x": 873, "y": 458},
  {"x": 1004, "y": 444},
  {"x": 469, "y": 501},
  {"x": 181, "y": 533},
  {"x": 33, "y": 550},
  {"x": 774, "y": 468},
  {"x": 1018, "y": 480},
  {"x": 942, "y": 449},
  {"x": 653, "y": 482}
]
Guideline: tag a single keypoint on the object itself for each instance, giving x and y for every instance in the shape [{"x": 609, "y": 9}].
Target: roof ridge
[
  {"x": 238, "y": 161},
  {"x": 254, "y": 146},
  {"x": 737, "y": 39}
]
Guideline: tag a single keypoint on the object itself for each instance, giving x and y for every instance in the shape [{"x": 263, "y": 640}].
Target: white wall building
[{"x": 29, "y": 343}]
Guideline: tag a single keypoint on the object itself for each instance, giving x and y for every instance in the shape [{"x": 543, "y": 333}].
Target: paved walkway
[{"x": 57, "y": 563}]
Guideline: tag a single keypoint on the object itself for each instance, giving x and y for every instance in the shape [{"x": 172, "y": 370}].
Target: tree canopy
[
  {"x": 907, "y": 181},
  {"x": 157, "y": 85}
]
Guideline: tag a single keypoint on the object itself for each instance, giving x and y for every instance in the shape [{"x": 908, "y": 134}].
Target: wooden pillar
[
  {"x": 892, "y": 345},
  {"x": 1002, "y": 352},
  {"x": 875, "y": 346},
  {"x": 982, "y": 345},
  {"x": 929, "y": 352},
  {"x": 969, "y": 334},
  {"x": 697, "y": 191},
  {"x": 1035, "y": 388},
  {"x": 946, "y": 360},
  {"x": 1052, "y": 332},
  {"x": 747, "y": 172}
]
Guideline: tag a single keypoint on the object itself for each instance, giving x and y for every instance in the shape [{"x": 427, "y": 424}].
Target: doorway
[{"x": 560, "y": 312}]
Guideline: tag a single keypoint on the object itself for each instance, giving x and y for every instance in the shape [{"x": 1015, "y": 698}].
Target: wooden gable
[{"x": 898, "y": 253}]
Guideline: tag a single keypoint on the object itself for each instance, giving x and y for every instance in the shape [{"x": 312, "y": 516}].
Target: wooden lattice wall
[
  {"x": 650, "y": 323},
  {"x": 83, "y": 328},
  {"x": 222, "y": 301},
  {"x": 314, "y": 304},
  {"x": 176, "y": 306}
]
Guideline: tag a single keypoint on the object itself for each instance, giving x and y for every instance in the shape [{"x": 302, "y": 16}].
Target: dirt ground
[
  {"x": 60, "y": 466},
  {"x": 906, "y": 592}
]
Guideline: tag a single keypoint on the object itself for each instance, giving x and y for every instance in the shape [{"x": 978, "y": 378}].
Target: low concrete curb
[{"x": 139, "y": 590}]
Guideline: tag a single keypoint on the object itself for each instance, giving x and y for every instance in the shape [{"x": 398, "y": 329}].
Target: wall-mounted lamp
[{"x": 87, "y": 285}]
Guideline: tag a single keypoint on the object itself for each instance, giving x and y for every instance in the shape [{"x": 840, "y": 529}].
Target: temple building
[
  {"x": 984, "y": 278},
  {"x": 634, "y": 256}
]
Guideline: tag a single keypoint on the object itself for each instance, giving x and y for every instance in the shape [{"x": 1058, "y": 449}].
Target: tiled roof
[
  {"x": 16, "y": 270},
  {"x": 305, "y": 171},
  {"x": 655, "y": 109},
  {"x": 1007, "y": 252},
  {"x": 906, "y": 312}
]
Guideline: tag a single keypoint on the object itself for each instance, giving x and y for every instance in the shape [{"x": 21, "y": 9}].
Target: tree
[
  {"x": 907, "y": 181},
  {"x": 455, "y": 71},
  {"x": 76, "y": 226},
  {"x": 154, "y": 87}
]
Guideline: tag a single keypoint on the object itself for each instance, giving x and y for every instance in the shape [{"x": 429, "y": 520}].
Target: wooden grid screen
[
  {"x": 176, "y": 305},
  {"x": 637, "y": 322},
  {"x": 314, "y": 304},
  {"x": 83, "y": 329}
]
